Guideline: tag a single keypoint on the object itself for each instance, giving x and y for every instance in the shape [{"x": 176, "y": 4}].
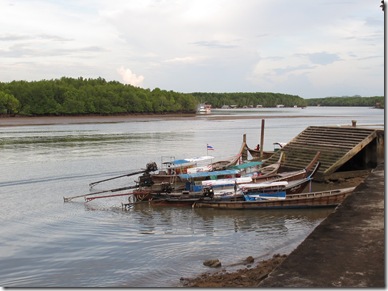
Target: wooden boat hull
[
  {"x": 141, "y": 194},
  {"x": 173, "y": 202},
  {"x": 292, "y": 187},
  {"x": 256, "y": 154},
  {"x": 329, "y": 198},
  {"x": 297, "y": 186},
  {"x": 310, "y": 170},
  {"x": 178, "y": 199}
]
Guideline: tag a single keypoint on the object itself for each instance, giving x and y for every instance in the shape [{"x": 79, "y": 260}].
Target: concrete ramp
[
  {"x": 344, "y": 151},
  {"x": 346, "y": 250}
]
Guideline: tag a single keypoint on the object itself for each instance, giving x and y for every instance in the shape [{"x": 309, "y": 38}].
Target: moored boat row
[{"x": 228, "y": 183}]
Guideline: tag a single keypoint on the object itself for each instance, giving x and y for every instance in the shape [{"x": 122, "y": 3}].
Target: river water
[{"x": 45, "y": 242}]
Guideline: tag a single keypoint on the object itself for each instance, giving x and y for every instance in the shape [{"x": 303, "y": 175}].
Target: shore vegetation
[{"x": 80, "y": 96}]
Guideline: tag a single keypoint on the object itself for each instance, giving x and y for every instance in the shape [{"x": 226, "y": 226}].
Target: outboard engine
[
  {"x": 208, "y": 192},
  {"x": 151, "y": 167},
  {"x": 145, "y": 180},
  {"x": 166, "y": 187}
]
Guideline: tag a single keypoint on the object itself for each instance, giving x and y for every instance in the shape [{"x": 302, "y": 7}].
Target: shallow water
[{"x": 45, "y": 242}]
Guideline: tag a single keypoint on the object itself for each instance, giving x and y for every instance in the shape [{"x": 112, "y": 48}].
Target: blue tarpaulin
[
  {"x": 209, "y": 174},
  {"x": 247, "y": 165}
]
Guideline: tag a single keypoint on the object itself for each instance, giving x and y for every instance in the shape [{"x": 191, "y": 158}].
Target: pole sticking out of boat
[
  {"x": 113, "y": 178},
  {"x": 151, "y": 167},
  {"x": 262, "y": 139},
  {"x": 68, "y": 199}
]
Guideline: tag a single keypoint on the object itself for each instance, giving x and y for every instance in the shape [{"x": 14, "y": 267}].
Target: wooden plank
[
  {"x": 350, "y": 154},
  {"x": 339, "y": 136},
  {"x": 322, "y": 144},
  {"x": 334, "y": 135}
]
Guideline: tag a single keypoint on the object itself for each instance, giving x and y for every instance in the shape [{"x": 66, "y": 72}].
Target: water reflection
[{"x": 213, "y": 222}]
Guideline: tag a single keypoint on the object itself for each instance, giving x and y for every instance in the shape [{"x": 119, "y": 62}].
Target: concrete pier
[{"x": 347, "y": 249}]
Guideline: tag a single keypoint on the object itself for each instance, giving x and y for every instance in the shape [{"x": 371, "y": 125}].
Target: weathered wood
[
  {"x": 350, "y": 154},
  {"x": 329, "y": 198},
  {"x": 338, "y": 146}
]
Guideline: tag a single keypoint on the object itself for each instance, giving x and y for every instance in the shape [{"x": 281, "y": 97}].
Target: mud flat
[{"x": 53, "y": 120}]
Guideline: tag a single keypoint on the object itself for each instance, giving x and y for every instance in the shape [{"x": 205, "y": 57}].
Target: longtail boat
[
  {"x": 228, "y": 192},
  {"x": 171, "y": 171},
  {"x": 230, "y": 162},
  {"x": 310, "y": 169},
  {"x": 327, "y": 198},
  {"x": 271, "y": 169},
  {"x": 256, "y": 152}
]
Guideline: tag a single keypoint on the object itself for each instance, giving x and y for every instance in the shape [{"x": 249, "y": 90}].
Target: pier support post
[
  {"x": 262, "y": 139},
  {"x": 244, "y": 154}
]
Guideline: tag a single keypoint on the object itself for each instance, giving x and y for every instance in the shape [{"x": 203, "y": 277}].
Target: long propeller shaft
[
  {"x": 68, "y": 199},
  {"x": 113, "y": 178}
]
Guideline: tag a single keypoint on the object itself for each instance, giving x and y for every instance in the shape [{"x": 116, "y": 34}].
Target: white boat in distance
[{"x": 204, "y": 108}]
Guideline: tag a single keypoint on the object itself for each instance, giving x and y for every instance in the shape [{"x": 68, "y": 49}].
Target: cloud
[
  {"x": 190, "y": 46},
  {"x": 323, "y": 58},
  {"x": 130, "y": 78},
  {"x": 185, "y": 60},
  {"x": 213, "y": 44}
]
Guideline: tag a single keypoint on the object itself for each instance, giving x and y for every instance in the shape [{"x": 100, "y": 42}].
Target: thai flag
[{"x": 210, "y": 148}]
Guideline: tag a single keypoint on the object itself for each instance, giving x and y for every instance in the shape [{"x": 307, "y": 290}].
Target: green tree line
[
  {"x": 241, "y": 99},
  {"x": 374, "y": 101},
  {"x": 70, "y": 96},
  {"x": 79, "y": 96}
]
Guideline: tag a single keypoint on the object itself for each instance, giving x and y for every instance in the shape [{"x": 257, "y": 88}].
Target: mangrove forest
[{"x": 81, "y": 96}]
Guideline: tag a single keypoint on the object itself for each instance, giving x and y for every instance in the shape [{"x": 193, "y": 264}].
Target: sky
[{"x": 312, "y": 49}]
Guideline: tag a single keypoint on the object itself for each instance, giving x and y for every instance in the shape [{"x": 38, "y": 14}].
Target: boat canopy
[
  {"x": 177, "y": 162},
  {"x": 226, "y": 182},
  {"x": 247, "y": 165},
  {"x": 209, "y": 174},
  {"x": 190, "y": 160},
  {"x": 199, "y": 159},
  {"x": 264, "y": 184}
]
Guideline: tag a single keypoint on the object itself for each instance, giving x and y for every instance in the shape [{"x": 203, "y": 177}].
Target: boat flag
[{"x": 210, "y": 148}]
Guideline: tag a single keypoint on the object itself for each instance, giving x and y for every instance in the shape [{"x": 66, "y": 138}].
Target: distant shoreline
[
  {"x": 85, "y": 119},
  {"x": 82, "y": 119},
  {"x": 90, "y": 119}
]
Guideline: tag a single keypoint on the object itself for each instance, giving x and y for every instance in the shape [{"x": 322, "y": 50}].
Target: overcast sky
[{"x": 310, "y": 48}]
